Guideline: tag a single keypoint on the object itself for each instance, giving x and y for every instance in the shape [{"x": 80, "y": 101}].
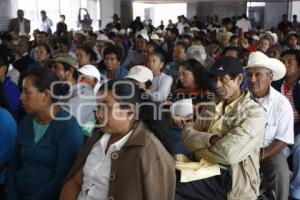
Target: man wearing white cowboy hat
[{"x": 261, "y": 71}]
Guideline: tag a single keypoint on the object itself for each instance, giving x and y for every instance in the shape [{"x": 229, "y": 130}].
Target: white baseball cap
[
  {"x": 144, "y": 35},
  {"x": 90, "y": 70},
  {"x": 140, "y": 73}
]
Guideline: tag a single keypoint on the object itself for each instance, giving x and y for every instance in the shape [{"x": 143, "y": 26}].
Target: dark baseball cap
[{"x": 226, "y": 65}]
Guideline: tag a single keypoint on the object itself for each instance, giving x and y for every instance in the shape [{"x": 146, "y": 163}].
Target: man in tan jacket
[{"x": 227, "y": 132}]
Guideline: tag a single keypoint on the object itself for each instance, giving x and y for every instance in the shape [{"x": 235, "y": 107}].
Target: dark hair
[
  {"x": 63, "y": 16},
  {"x": 115, "y": 50},
  {"x": 89, "y": 51},
  {"x": 182, "y": 45},
  {"x": 152, "y": 44},
  {"x": 146, "y": 111},
  {"x": 43, "y": 12},
  {"x": 233, "y": 37},
  {"x": 3, "y": 100},
  {"x": 44, "y": 78},
  {"x": 202, "y": 39},
  {"x": 6, "y": 37},
  {"x": 199, "y": 72},
  {"x": 294, "y": 52},
  {"x": 4, "y": 62},
  {"x": 25, "y": 42},
  {"x": 68, "y": 67},
  {"x": 174, "y": 31},
  {"x": 227, "y": 21},
  {"x": 292, "y": 35},
  {"x": 94, "y": 35},
  {"x": 141, "y": 37},
  {"x": 161, "y": 54},
  {"x": 244, "y": 16},
  {"x": 64, "y": 41},
  {"x": 186, "y": 36},
  {"x": 237, "y": 49},
  {"x": 46, "y": 47},
  {"x": 276, "y": 47},
  {"x": 42, "y": 33}
]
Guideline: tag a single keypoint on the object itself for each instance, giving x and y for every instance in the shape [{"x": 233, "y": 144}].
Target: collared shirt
[
  {"x": 21, "y": 26},
  {"x": 161, "y": 87},
  {"x": 133, "y": 58},
  {"x": 121, "y": 72},
  {"x": 244, "y": 24},
  {"x": 45, "y": 25},
  {"x": 97, "y": 168},
  {"x": 216, "y": 125},
  {"x": 288, "y": 93},
  {"x": 280, "y": 118},
  {"x": 81, "y": 103}
]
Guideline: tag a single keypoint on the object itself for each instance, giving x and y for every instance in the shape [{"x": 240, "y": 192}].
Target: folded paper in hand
[{"x": 192, "y": 171}]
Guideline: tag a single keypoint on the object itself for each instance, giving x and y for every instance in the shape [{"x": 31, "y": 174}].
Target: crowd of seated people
[{"x": 105, "y": 114}]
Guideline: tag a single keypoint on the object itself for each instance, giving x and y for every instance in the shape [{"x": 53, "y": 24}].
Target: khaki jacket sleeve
[
  {"x": 239, "y": 142},
  {"x": 194, "y": 139}
]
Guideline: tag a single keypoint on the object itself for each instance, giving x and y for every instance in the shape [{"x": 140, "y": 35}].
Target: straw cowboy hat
[
  {"x": 223, "y": 34},
  {"x": 259, "y": 59},
  {"x": 104, "y": 38},
  {"x": 273, "y": 36}
]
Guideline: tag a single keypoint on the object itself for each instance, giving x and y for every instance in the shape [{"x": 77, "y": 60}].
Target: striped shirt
[{"x": 287, "y": 91}]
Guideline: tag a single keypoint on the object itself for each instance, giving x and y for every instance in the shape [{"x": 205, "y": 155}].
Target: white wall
[
  {"x": 108, "y": 9},
  {"x": 191, "y": 9},
  {"x": 222, "y": 9},
  {"x": 7, "y": 10},
  {"x": 160, "y": 11},
  {"x": 274, "y": 12},
  {"x": 296, "y": 9}
]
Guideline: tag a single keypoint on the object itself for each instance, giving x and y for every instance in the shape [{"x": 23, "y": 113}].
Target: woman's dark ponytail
[
  {"x": 45, "y": 79},
  {"x": 157, "y": 123}
]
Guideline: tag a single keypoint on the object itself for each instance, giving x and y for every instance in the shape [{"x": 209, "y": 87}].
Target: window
[
  {"x": 55, "y": 8},
  {"x": 158, "y": 12}
]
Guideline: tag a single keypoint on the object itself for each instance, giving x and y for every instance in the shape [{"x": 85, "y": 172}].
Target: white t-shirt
[
  {"x": 97, "y": 168},
  {"x": 21, "y": 26},
  {"x": 161, "y": 87},
  {"x": 45, "y": 25},
  {"x": 280, "y": 124},
  {"x": 244, "y": 24}
]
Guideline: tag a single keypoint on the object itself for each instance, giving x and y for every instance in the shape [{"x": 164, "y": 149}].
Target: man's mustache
[
  {"x": 254, "y": 85},
  {"x": 221, "y": 91}
]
